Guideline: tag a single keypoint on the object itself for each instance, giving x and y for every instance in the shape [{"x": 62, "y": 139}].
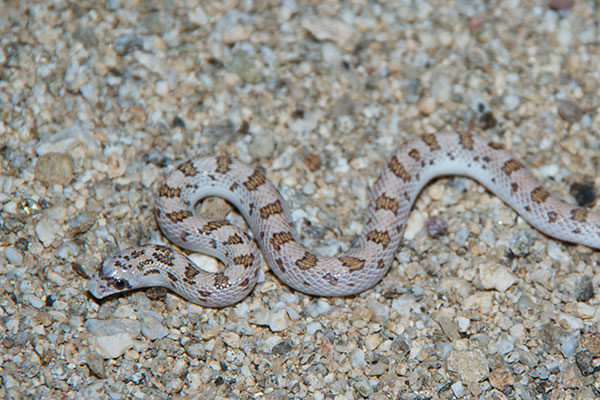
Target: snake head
[{"x": 114, "y": 276}]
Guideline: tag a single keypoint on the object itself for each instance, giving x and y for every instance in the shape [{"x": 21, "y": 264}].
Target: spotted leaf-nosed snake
[{"x": 409, "y": 168}]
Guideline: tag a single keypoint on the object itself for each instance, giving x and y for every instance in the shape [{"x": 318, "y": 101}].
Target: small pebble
[
  {"x": 427, "y": 106},
  {"x": 501, "y": 379},
  {"x": 312, "y": 161},
  {"x": 112, "y": 346},
  {"x": 372, "y": 341},
  {"x": 54, "y": 168},
  {"x": 318, "y": 307},
  {"x": 13, "y": 256},
  {"x": 89, "y": 91},
  {"x": 329, "y": 29},
  {"x": 568, "y": 345},
  {"x": 520, "y": 244},
  {"x": 313, "y": 327},
  {"x": 561, "y": 4},
  {"x": 436, "y": 227},
  {"x": 281, "y": 348},
  {"x": 128, "y": 43},
  {"x": 81, "y": 223},
  {"x": 47, "y": 231},
  {"x": 585, "y": 363},
  {"x": 235, "y": 33},
  {"x": 151, "y": 324},
  {"x": 231, "y": 339},
  {"x": 262, "y": 145},
  {"x": 414, "y": 225},
  {"x": 279, "y": 321},
  {"x": 505, "y": 344},
  {"x": 585, "y": 289},
  {"x": 358, "y": 358},
  {"x": 496, "y": 277},
  {"x": 584, "y": 194},
  {"x": 471, "y": 365},
  {"x": 569, "y": 111},
  {"x": 458, "y": 389},
  {"x": 511, "y": 102}
]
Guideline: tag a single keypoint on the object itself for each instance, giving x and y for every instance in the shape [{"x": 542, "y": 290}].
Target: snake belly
[{"x": 403, "y": 176}]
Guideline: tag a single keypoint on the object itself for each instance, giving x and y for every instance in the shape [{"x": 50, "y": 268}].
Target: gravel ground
[{"x": 98, "y": 100}]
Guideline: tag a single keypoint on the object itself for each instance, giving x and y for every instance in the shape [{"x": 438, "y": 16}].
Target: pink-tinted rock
[{"x": 561, "y": 4}]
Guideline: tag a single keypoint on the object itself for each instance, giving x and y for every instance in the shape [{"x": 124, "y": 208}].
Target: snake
[{"x": 273, "y": 234}]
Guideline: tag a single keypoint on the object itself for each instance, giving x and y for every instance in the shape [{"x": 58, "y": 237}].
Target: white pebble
[
  {"x": 555, "y": 251},
  {"x": 151, "y": 323},
  {"x": 89, "y": 92},
  {"x": 309, "y": 188},
  {"x": 328, "y": 29},
  {"x": 161, "y": 88},
  {"x": 495, "y": 276},
  {"x": 518, "y": 331},
  {"x": 458, "y": 389},
  {"x": 47, "y": 231},
  {"x": 372, "y": 341},
  {"x": 568, "y": 346},
  {"x": 511, "y": 102},
  {"x": 112, "y": 346},
  {"x": 235, "y": 33},
  {"x": 272, "y": 342},
  {"x": 124, "y": 311},
  {"x": 262, "y": 145},
  {"x": 331, "y": 55},
  {"x": 575, "y": 324},
  {"x": 13, "y": 256},
  {"x": 415, "y": 223},
  {"x": 427, "y": 106},
  {"x": 505, "y": 344},
  {"x": 206, "y": 263},
  {"x": 298, "y": 216},
  {"x": 441, "y": 90},
  {"x": 279, "y": 321},
  {"x": 463, "y": 323},
  {"x": 231, "y": 339},
  {"x": 198, "y": 16},
  {"x": 358, "y": 358},
  {"x": 319, "y": 307},
  {"x": 313, "y": 327},
  {"x": 34, "y": 301},
  {"x": 9, "y": 382}
]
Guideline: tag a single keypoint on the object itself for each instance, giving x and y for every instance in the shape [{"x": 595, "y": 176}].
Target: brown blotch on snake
[
  {"x": 466, "y": 140},
  {"x": 398, "y": 169},
  {"x": 256, "y": 180},
  {"x": 352, "y": 263},
  {"x": 211, "y": 226},
  {"x": 179, "y": 215},
  {"x": 165, "y": 191},
  {"x": 384, "y": 202},
  {"x": 187, "y": 168},
  {"x": 511, "y": 166},
  {"x": 379, "y": 237},
  {"x": 579, "y": 214},
  {"x": 540, "y": 195},
  {"x": 223, "y": 164},
  {"x": 308, "y": 261},
  {"x": 269, "y": 210},
  {"x": 245, "y": 260},
  {"x": 280, "y": 238}
]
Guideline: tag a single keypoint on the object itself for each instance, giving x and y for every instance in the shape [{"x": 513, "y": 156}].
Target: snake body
[{"x": 405, "y": 173}]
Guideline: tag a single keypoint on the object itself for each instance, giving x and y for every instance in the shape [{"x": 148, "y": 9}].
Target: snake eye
[{"x": 120, "y": 284}]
